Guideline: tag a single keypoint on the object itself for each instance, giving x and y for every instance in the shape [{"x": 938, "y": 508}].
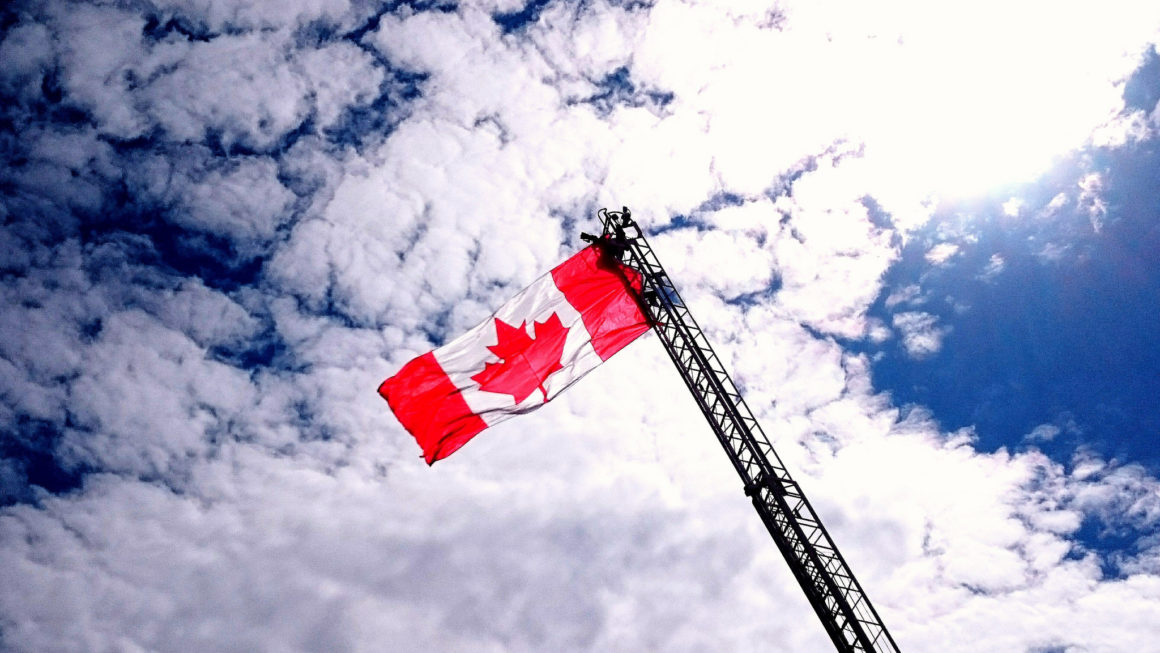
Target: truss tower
[{"x": 829, "y": 585}]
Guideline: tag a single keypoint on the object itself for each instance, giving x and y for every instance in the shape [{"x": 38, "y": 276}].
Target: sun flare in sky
[{"x": 957, "y": 103}]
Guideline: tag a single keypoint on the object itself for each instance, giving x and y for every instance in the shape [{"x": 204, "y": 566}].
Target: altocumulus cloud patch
[{"x": 223, "y": 225}]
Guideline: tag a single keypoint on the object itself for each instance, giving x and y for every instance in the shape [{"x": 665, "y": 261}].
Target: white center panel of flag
[{"x": 460, "y": 358}]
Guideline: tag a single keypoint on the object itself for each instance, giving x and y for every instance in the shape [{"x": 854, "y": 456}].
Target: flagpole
[{"x": 845, "y": 611}]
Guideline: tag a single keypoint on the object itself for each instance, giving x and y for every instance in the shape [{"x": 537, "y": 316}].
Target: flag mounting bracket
[{"x": 845, "y": 611}]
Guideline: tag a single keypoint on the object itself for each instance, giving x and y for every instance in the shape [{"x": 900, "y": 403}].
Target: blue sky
[
  {"x": 1060, "y": 333},
  {"x": 929, "y": 265},
  {"x": 1049, "y": 322}
]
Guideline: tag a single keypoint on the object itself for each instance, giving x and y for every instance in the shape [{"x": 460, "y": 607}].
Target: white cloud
[
  {"x": 244, "y": 201},
  {"x": 222, "y": 15},
  {"x": 233, "y": 506},
  {"x": 921, "y": 335},
  {"x": 1053, "y": 252},
  {"x": 1044, "y": 432},
  {"x": 830, "y": 256},
  {"x": 941, "y": 253},
  {"x": 1122, "y": 130},
  {"x": 751, "y": 267},
  {"x": 1056, "y": 203},
  {"x": 995, "y": 266},
  {"x": 897, "y": 44},
  {"x": 878, "y": 332},
  {"x": 910, "y": 294},
  {"x": 1091, "y": 199},
  {"x": 27, "y": 52},
  {"x": 249, "y": 89}
]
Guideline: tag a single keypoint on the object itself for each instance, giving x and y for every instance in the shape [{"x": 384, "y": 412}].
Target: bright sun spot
[{"x": 957, "y": 103}]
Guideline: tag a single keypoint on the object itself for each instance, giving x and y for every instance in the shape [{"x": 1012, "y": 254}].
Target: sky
[{"x": 922, "y": 236}]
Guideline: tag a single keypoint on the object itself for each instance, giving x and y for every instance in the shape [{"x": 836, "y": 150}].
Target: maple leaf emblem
[{"x": 526, "y": 362}]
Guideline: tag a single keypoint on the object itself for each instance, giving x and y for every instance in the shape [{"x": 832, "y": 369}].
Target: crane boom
[{"x": 830, "y": 587}]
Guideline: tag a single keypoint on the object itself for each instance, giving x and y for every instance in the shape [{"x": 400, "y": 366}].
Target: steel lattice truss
[{"x": 845, "y": 611}]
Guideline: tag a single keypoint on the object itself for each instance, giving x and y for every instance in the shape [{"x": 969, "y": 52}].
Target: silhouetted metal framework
[{"x": 829, "y": 585}]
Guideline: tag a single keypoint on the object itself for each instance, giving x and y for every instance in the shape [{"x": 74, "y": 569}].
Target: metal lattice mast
[{"x": 841, "y": 605}]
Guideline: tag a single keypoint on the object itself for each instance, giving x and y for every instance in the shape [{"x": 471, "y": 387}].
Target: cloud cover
[{"x": 224, "y": 225}]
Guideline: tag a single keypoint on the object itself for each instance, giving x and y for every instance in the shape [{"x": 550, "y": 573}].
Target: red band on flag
[
  {"x": 430, "y": 407},
  {"x": 537, "y": 344},
  {"x": 595, "y": 288}
]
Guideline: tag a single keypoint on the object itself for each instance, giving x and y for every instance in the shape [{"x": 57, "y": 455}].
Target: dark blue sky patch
[
  {"x": 224, "y": 145},
  {"x": 1142, "y": 90},
  {"x": 160, "y": 27},
  {"x": 9, "y": 16},
  {"x": 143, "y": 225},
  {"x": 763, "y": 297},
  {"x": 333, "y": 307},
  {"x": 310, "y": 426},
  {"x": 718, "y": 201},
  {"x": 133, "y": 207},
  {"x": 679, "y": 222},
  {"x": 209, "y": 257},
  {"x": 27, "y": 448},
  {"x": 115, "y": 213},
  {"x": 783, "y": 185},
  {"x": 171, "y": 24},
  {"x": 91, "y": 329},
  {"x": 291, "y": 138},
  {"x": 617, "y": 89},
  {"x": 302, "y": 180},
  {"x": 419, "y": 6},
  {"x": 515, "y": 21},
  {"x": 362, "y": 124},
  {"x": 1063, "y": 335},
  {"x": 694, "y": 219},
  {"x": 317, "y": 33},
  {"x": 630, "y": 5},
  {"x": 50, "y": 107},
  {"x": 265, "y": 350},
  {"x": 370, "y": 122},
  {"x": 1119, "y": 539},
  {"x": 573, "y": 222},
  {"x": 878, "y": 216},
  {"x": 437, "y": 328}
]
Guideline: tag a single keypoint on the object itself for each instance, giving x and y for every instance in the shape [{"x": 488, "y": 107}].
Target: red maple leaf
[{"x": 525, "y": 362}]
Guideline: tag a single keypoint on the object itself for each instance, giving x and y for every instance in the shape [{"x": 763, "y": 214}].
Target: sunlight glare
[{"x": 963, "y": 104}]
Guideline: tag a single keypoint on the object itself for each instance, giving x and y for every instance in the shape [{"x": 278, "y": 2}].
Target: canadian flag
[{"x": 536, "y": 345}]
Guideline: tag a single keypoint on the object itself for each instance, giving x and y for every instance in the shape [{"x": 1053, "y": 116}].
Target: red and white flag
[{"x": 542, "y": 341}]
